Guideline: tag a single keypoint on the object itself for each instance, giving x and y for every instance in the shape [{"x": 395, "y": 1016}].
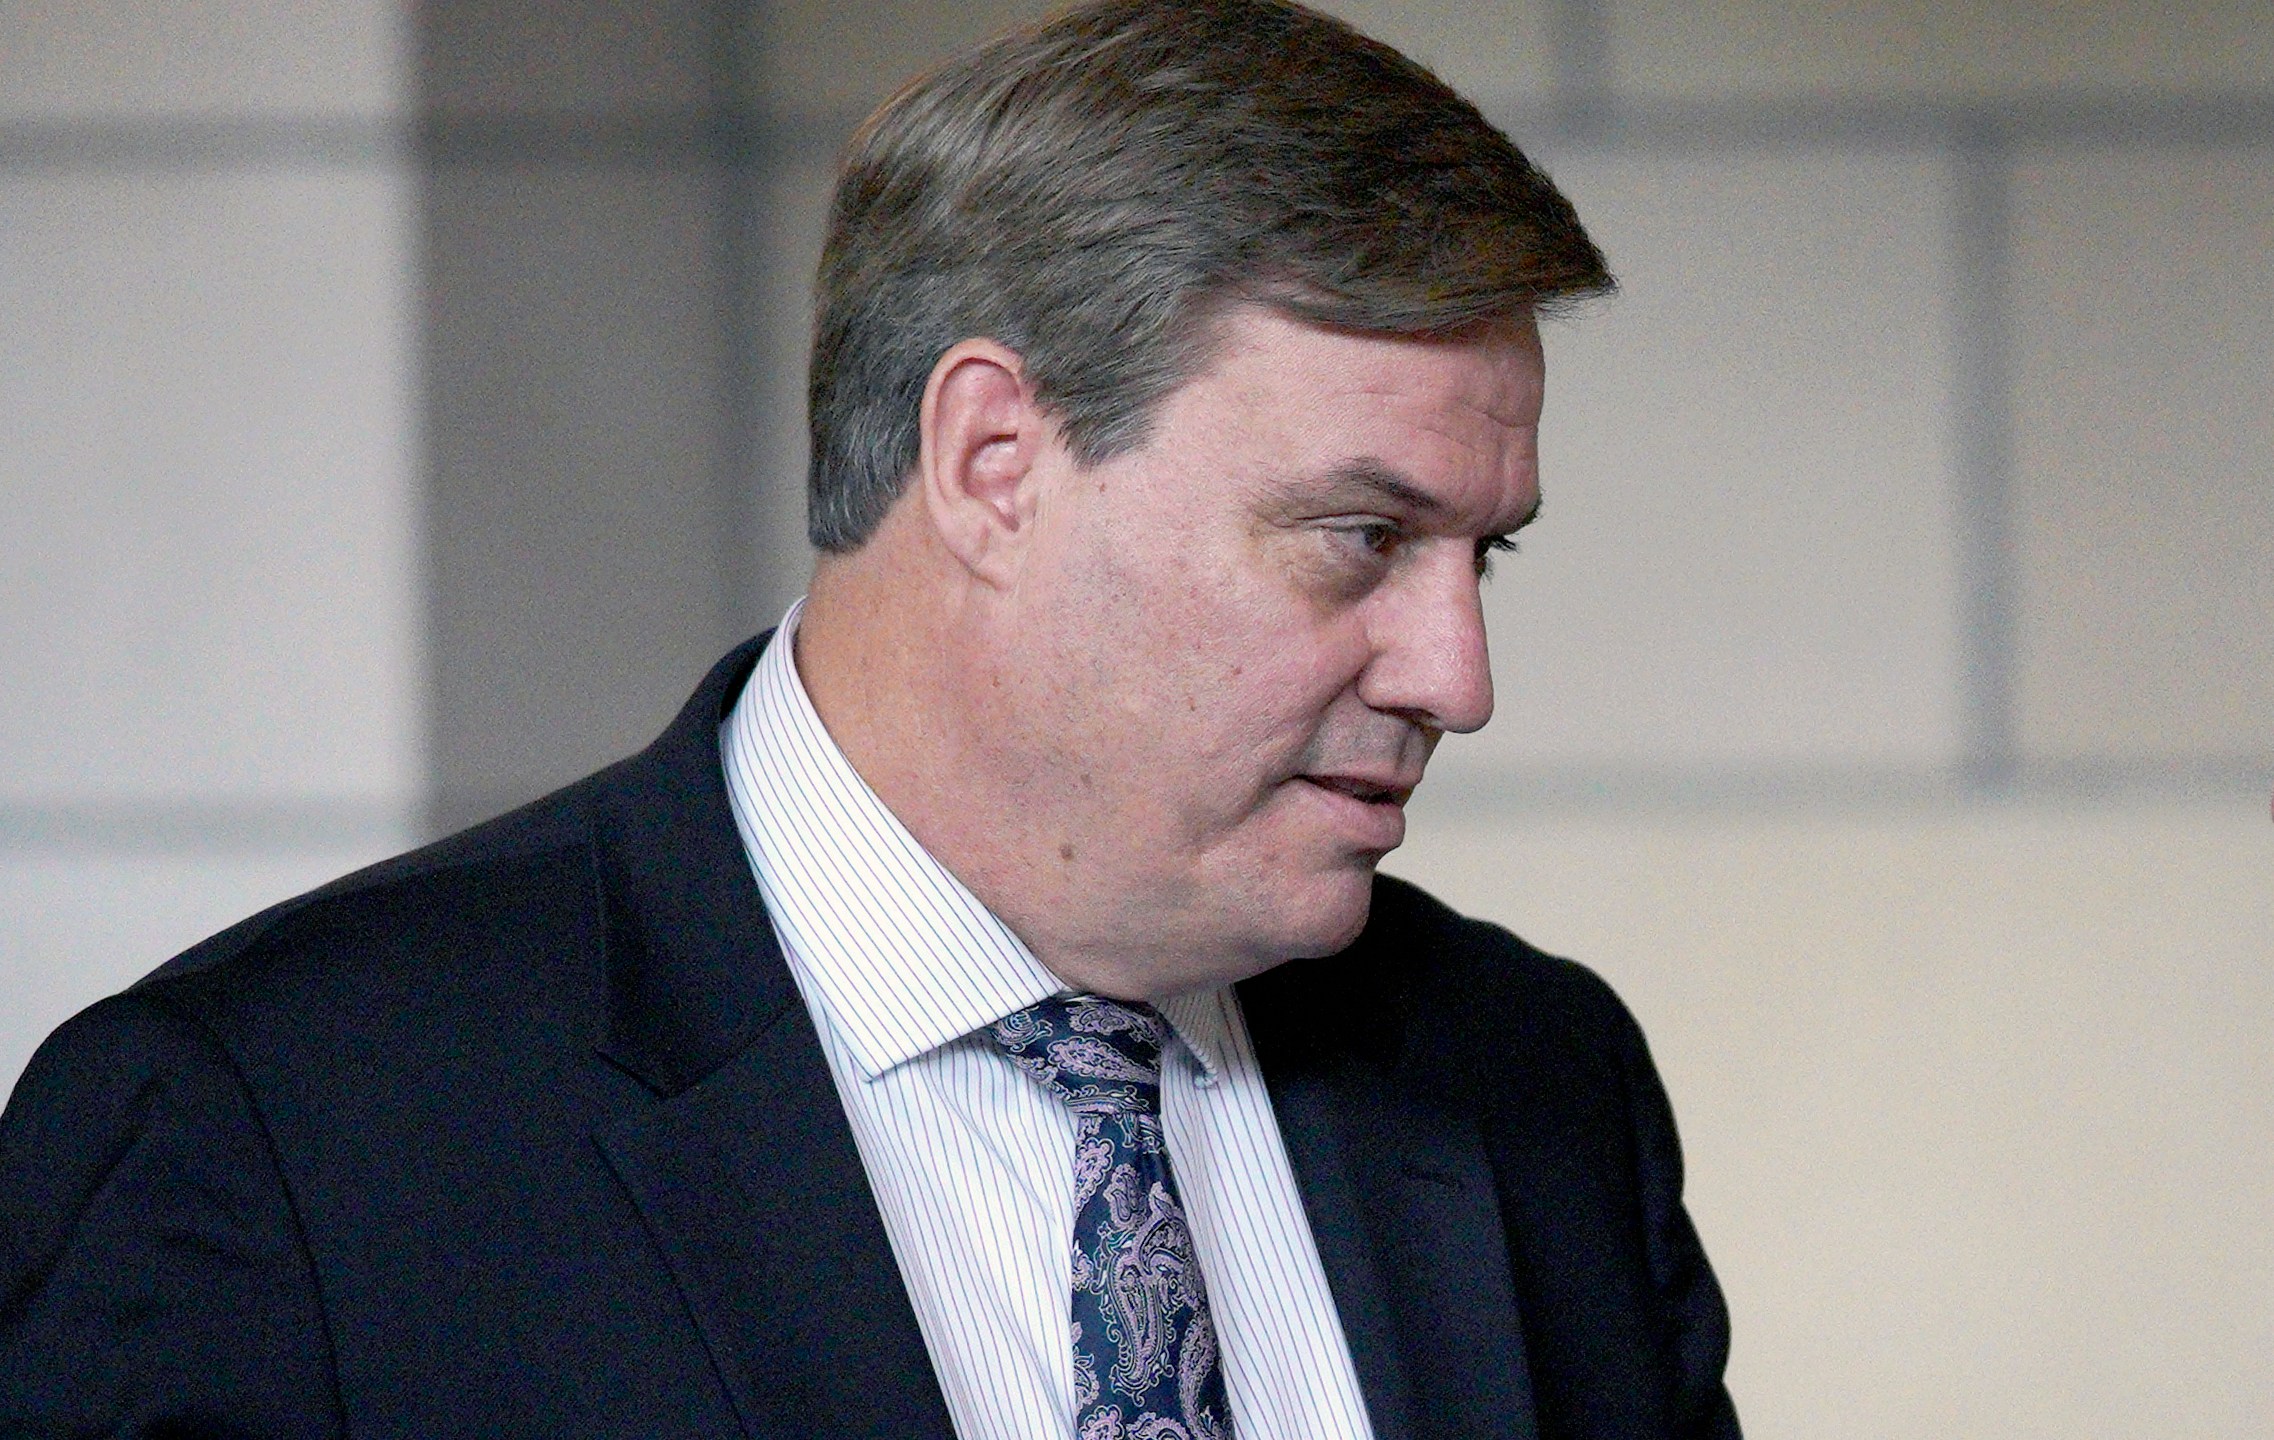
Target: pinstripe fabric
[{"x": 971, "y": 1162}]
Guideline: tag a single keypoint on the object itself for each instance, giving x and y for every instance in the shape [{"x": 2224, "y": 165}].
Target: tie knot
[{"x": 1098, "y": 1056}]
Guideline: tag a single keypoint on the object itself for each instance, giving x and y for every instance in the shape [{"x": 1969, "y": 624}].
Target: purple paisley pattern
[{"x": 1145, "y": 1358}]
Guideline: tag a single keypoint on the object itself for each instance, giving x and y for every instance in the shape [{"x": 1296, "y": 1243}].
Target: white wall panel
[
  {"x": 225, "y": 59},
  {"x": 1978, "y": 1105},
  {"x": 2144, "y": 453},
  {"x": 1954, "y": 49},
  {"x": 1745, "y": 555},
  {"x": 209, "y": 559}
]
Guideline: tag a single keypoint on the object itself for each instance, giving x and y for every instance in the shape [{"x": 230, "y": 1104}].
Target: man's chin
[{"x": 1334, "y": 918}]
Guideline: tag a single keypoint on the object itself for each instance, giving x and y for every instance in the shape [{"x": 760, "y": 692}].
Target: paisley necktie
[{"x": 1145, "y": 1363}]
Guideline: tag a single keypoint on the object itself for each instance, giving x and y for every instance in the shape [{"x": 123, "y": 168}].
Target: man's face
[{"x": 1236, "y": 646}]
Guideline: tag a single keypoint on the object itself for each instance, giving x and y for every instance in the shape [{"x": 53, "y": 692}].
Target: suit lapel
[
  {"x": 1402, "y": 1203},
  {"x": 753, "y": 1189},
  {"x": 738, "y": 1156}
]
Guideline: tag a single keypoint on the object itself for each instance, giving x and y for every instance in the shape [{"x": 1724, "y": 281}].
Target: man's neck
[{"x": 902, "y": 696}]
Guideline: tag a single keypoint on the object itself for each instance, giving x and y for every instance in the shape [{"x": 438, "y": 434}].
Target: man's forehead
[{"x": 1494, "y": 374}]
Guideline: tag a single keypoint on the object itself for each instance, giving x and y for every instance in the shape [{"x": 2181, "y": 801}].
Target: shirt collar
[{"x": 1202, "y": 1020}]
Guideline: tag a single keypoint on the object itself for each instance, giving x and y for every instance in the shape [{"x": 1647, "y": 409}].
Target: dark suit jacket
[{"x": 527, "y": 1133}]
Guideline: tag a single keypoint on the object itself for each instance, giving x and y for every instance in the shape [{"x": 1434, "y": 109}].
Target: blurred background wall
[{"x": 400, "y": 406}]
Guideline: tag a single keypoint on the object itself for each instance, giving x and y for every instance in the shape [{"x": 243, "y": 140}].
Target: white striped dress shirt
[{"x": 971, "y": 1161}]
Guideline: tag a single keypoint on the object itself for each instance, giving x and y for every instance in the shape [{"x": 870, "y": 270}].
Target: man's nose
[{"x": 1430, "y": 662}]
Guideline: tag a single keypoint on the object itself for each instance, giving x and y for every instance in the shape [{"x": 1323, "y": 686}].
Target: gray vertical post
[
  {"x": 576, "y": 398},
  {"x": 1982, "y": 450},
  {"x": 738, "y": 125}
]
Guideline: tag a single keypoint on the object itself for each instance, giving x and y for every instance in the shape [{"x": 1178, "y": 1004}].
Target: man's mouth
[{"x": 1372, "y": 792}]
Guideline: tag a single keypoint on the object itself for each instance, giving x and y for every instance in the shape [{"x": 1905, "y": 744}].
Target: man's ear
[{"x": 981, "y": 433}]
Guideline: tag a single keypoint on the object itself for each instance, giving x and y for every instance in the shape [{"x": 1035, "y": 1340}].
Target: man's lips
[
  {"x": 1385, "y": 791},
  {"x": 1368, "y": 811}
]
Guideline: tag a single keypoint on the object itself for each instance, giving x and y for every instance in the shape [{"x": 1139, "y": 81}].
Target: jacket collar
[
  {"x": 694, "y": 971},
  {"x": 744, "y": 1169}
]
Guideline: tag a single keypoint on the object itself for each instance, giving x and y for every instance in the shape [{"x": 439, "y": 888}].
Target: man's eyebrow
[{"x": 1368, "y": 479}]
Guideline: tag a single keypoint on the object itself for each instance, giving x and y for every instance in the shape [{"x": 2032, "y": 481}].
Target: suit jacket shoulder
[{"x": 339, "y": 1160}]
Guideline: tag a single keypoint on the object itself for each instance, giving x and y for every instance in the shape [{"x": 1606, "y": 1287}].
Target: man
[{"x": 978, "y": 1014}]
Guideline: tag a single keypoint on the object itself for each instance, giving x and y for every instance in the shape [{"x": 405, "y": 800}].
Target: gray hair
[{"x": 1093, "y": 190}]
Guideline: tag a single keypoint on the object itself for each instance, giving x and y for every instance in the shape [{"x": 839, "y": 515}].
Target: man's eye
[
  {"x": 1377, "y": 537},
  {"x": 1487, "y": 548}
]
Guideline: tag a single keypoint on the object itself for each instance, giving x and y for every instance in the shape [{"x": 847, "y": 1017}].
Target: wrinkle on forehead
[{"x": 1507, "y": 392}]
